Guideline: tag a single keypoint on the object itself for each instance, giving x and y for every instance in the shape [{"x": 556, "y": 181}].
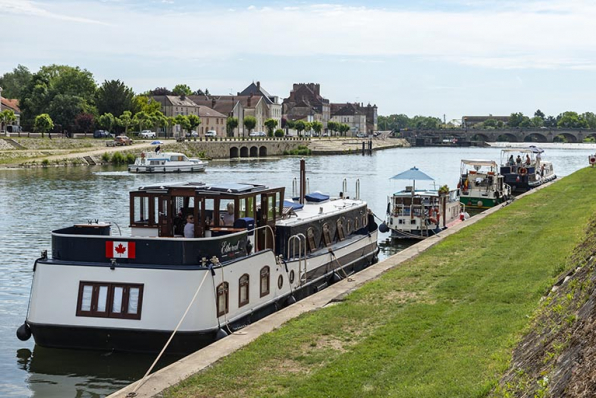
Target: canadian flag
[{"x": 120, "y": 249}]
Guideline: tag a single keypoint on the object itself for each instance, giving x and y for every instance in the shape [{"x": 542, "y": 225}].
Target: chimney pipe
[{"x": 302, "y": 180}]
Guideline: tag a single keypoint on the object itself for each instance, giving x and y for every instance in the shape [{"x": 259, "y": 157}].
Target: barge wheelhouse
[{"x": 250, "y": 254}]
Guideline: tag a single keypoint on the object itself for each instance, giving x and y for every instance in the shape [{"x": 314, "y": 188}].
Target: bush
[
  {"x": 105, "y": 157},
  {"x": 118, "y": 158},
  {"x": 130, "y": 158},
  {"x": 279, "y": 133},
  {"x": 301, "y": 150},
  {"x": 45, "y": 163}
]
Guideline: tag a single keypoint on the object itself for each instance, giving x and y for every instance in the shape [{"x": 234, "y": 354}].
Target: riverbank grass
[{"x": 441, "y": 324}]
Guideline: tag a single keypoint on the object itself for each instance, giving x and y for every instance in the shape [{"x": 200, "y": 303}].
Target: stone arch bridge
[
  {"x": 249, "y": 148},
  {"x": 430, "y": 137}
]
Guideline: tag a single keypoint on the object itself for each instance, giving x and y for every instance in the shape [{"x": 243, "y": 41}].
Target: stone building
[
  {"x": 306, "y": 103},
  {"x": 271, "y": 102},
  {"x": 13, "y": 105},
  {"x": 361, "y": 119},
  {"x": 172, "y": 106}
]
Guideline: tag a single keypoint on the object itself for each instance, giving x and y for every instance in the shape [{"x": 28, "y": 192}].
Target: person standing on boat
[
  {"x": 189, "y": 228},
  {"x": 518, "y": 161},
  {"x": 157, "y": 149},
  {"x": 528, "y": 161},
  {"x": 511, "y": 161}
]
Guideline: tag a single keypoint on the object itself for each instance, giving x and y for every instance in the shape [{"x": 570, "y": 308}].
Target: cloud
[{"x": 29, "y": 8}]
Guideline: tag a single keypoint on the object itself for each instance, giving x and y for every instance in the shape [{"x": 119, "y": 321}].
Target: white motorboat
[
  {"x": 524, "y": 168},
  {"x": 166, "y": 162}
]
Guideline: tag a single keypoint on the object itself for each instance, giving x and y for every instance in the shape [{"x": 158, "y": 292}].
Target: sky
[{"x": 433, "y": 58}]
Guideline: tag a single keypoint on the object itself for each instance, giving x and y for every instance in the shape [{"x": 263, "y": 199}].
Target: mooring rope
[{"x": 144, "y": 379}]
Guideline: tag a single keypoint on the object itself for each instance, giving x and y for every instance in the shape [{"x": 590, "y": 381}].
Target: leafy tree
[
  {"x": 424, "y": 123},
  {"x": 279, "y": 133},
  {"x": 231, "y": 124},
  {"x": 537, "y": 121},
  {"x": 182, "y": 89},
  {"x": 43, "y": 124},
  {"x": 290, "y": 124},
  {"x": 343, "y": 129},
  {"x": 194, "y": 121},
  {"x": 84, "y": 122},
  {"x": 572, "y": 120},
  {"x": 317, "y": 127},
  {"x": 299, "y": 125},
  {"x": 183, "y": 121},
  {"x": 145, "y": 104},
  {"x": 64, "y": 108},
  {"x": 393, "y": 122},
  {"x": 14, "y": 82},
  {"x": 7, "y": 116},
  {"x": 142, "y": 120},
  {"x": 515, "y": 119},
  {"x": 333, "y": 126},
  {"x": 271, "y": 125},
  {"x": 525, "y": 123},
  {"x": 489, "y": 123},
  {"x": 159, "y": 120},
  {"x": 160, "y": 91},
  {"x": 539, "y": 114},
  {"x": 249, "y": 122},
  {"x": 114, "y": 97},
  {"x": 550, "y": 122},
  {"x": 125, "y": 120},
  {"x": 590, "y": 118},
  {"x": 106, "y": 121},
  {"x": 307, "y": 126}
]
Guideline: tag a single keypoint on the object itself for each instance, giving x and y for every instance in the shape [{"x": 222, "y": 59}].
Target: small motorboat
[
  {"x": 166, "y": 162},
  {"x": 481, "y": 186},
  {"x": 527, "y": 170}
]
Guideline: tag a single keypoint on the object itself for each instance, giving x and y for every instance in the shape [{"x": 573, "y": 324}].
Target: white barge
[{"x": 250, "y": 254}]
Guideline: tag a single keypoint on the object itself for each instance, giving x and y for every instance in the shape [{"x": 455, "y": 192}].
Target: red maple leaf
[{"x": 120, "y": 249}]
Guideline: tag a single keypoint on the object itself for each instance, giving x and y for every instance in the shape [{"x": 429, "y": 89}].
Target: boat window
[
  {"x": 326, "y": 235},
  {"x": 278, "y": 203},
  {"x": 270, "y": 208},
  {"x": 226, "y": 212},
  {"x": 209, "y": 207},
  {"x": 310, "y": 237},
  {"x": 243, "y": 292},
  {"x": 222, "y": 299},
  {"x": 340, "y": 229},
  {"x": 101, "y": 299},
  {"x": 264, "y": 281},
  {"x": 280, "y": 282},
  {"x": 141, "y": 209},
  {"x": 292, "y": 276}
]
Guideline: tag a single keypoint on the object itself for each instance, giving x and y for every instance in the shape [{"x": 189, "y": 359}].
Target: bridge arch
[
  {"x": 480, "y": 137},
  {"x": 244, "y": 152},
  {"x": 263, "y": 151},
  {"x": 507, "y": 137},
  {"x": 535, "y": 137},
  {"x": 234, "y": 153},
  {"x": 564, "y": 137},
  {"x": 254, "y": 151}
]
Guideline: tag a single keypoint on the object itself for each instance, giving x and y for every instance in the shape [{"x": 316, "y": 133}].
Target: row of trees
[{"x": 585, "y": 120}]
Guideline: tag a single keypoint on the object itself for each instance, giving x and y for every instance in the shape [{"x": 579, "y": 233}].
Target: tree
[
  {"x": 571, "y": 120},
  {"x": 317, "y": 127},
  {"x": 125, "y": 120},
  {"x": 590, "y": 119},
  {"x": 539, "y": 114},
  {"x": 142, "y": 120},
  {"x": 64, "y": 108},
  {"x": 114, "y": 97},
  {"x": 43, "y": 124},
  {"x": 515, "y": 119},
  {"x": 183, "y": 121},
  {"x": 333, "y": 127},
  {"x": 142, "y": 103},
  {"x": 14, "y": 82},
  {"x": 271, "y": 125},
  {"x": 550, "y": 121},
  {"x": 299, "y": 125},
  {"x": 160, "y": 91},
  {"x": 343, "y": 129},
  {"x": 537, "y": 122},
  {"x": 159, "y": 120},
  {"x": 106, "y": 121},
  {"x": 231, "y": 124},
  {"x": 290, "y": 124},
  {"x": 249, "y": 122},
  {"x": 307, "y": 126},
  {"x": 489, "y": 124},
  {"x": 7, "y": 116},
  {"x": 84, "y": 122},
  {"x": 194, "y": 121},
  {"x": 182, "y": 89}
]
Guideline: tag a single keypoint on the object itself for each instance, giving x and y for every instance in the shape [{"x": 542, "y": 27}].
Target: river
[{"x": 36, "y": 201}]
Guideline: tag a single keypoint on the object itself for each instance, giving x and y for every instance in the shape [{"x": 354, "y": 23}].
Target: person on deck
[
  {"x": 189, "y": 228},
  {"x": 179, "y": 224},
  {"x": 528, "y": 161}
]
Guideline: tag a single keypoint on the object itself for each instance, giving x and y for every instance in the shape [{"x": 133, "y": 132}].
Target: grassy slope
[{"x": 442, "y": 324}]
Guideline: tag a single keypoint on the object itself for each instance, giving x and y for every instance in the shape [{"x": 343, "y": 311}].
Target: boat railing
[{"x": 300, "y": 241}]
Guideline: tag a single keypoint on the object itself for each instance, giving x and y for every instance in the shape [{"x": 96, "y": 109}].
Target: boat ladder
[{"x": 297, "y": 249}]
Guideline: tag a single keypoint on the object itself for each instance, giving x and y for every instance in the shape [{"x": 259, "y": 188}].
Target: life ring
[
  {"x": 142, "y": 155},
  {"x": 522, "y": 170},
  {"x": 592, "y": 159}
]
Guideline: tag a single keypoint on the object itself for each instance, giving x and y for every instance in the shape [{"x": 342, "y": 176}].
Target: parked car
[
  {"x": 258, "y": 134},
  {"x": 101, "y": 134},
  {"x": 192, "y": 134},
  {"x": 120, "y": 140},
  {"x": 211, "y": 133},
  {"x": 147, "y": 134},
  {"x": 361, "y": 135}
]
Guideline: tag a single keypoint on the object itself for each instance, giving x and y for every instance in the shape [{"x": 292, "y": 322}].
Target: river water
[{"x": 33, "y": 202}]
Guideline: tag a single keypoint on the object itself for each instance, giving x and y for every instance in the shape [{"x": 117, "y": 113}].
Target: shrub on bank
[{"x": 301, "y": 150}]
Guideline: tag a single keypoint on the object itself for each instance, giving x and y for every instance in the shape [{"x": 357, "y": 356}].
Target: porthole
[
  {"x": 280, "y": 282},
  {"x": 292, "y": 276}
]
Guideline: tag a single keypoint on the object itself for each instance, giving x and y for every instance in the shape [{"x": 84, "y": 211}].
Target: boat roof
[
  {"x": 418, "y": 192},
  {"x": 165, "y": 154},
  {"x": 479, "y": 162},
  {"x": 201, "y": 187}
]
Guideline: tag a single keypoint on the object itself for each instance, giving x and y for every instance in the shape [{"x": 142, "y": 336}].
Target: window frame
[
  {"x": 243, "y": 284},
  {"x": 225, "y": 291},
  {"x": 108, "y": 313},
  {"x": 265, "y": 274}
]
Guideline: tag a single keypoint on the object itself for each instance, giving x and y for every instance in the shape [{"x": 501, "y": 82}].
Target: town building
[
  {"x": 306, "y": 103},
  {"x": 12, "y": 105},
  {"x": 271, "y": 102},
  {"x": 174, "y": 105},
  {"x": 360, "y": 118}
]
